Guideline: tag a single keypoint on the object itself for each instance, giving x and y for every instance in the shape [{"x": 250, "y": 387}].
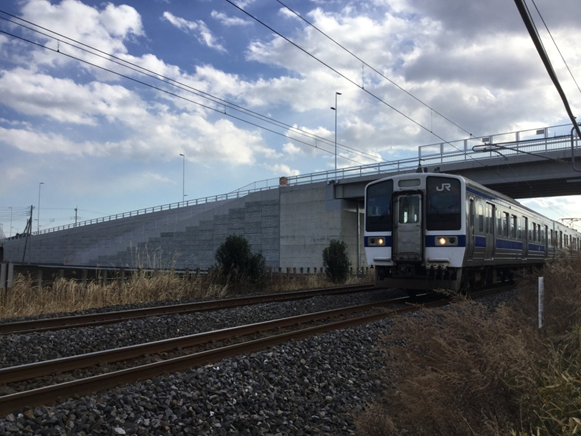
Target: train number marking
[{"x": 444, "y": 186}]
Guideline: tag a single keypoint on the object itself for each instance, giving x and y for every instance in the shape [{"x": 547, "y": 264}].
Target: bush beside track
[{"x": 463, "y": 370}]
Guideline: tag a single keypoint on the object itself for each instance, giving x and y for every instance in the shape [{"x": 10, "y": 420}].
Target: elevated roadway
[{"x": 547, "y": 167}]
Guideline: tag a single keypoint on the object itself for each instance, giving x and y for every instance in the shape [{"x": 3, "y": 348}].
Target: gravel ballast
[{"x": 313, "y": 386}]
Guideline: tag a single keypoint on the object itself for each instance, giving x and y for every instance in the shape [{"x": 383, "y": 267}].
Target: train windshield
[
  {"x": 379, "y": 207},
  {"x": 443, "y": 203}
]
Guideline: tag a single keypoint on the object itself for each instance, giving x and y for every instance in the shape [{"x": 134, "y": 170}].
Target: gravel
[{"x": 311, "y": 387}]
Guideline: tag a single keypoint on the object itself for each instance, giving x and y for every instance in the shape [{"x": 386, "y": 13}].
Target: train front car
[{"x": 415, "y": 231}]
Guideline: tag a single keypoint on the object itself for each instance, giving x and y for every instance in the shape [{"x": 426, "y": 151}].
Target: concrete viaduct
[{"x": 293, "y": 219}]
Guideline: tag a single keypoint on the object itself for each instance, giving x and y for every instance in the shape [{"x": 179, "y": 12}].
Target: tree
[
  {"x": 238, "y": 263},
  {"x": 336, "y": 262}
]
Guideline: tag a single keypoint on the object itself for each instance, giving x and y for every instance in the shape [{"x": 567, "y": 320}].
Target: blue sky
[{"x": 106, "y": 143}]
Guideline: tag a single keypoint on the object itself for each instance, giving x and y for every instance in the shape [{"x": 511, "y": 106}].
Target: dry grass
[
  {"x": 68, "y": 295},
  {"x": 464, "y": 370}
]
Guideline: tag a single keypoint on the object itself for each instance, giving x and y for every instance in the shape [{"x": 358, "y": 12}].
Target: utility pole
[{"x": 335, "y": 110}]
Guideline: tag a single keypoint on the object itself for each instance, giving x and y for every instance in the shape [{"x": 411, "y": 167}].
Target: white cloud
[
  {"x": 45, "y": 143},
  {"x": 292, "y": 149},
  {"x": 228, "y": 20},
  {"x": 104, "y": 29},
  {"x": 284, "y": 170},
  {"x": 197, "y": 28}
]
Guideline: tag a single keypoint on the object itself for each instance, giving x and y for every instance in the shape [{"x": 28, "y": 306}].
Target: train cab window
[
  {"x": 443, "y": 203},
  {"x": 379, "y": 206}
]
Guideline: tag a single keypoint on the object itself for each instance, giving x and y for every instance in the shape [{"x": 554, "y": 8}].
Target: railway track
[
  {"x": 95, "y": 319},
  {"x": 302, "y": 327}
]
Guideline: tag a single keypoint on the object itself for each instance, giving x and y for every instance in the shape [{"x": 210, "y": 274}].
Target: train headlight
[
  {"x": 377, "y": 242},
  {"x": 446, "y": 241}
]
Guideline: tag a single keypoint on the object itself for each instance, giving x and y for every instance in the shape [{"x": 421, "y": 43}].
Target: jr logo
[{"x": 444, "y": 186}]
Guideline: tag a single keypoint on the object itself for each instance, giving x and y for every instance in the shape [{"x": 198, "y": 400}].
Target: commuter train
[{"x": 425, "y": 231}]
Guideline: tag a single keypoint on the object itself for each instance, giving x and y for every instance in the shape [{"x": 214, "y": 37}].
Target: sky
[{"x": 100, "y": 100}]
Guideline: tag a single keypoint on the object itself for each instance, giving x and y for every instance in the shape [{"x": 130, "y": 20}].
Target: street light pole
[
  {"x": 38, "y": 210},
  {"x": 183, "y": 175},
  {"x": 335, "y": 110}
]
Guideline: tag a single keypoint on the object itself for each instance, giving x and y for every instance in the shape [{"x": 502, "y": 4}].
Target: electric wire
[
  {"x": 347, "y": 78},
  {"x": 176, "y": 95},
  {"x": 556, "y": 45},
  {"x": 141, "y": 70},
  {"x": 373, "y": 69}
]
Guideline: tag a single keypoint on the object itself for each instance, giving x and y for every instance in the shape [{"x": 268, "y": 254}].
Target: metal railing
[{"x": 505, "y": 144}]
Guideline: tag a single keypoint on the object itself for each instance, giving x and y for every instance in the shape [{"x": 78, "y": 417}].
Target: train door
[
  {"x": 407, "y": 236},
  {"x": 471, "y": 230},
  {"x": 525, "y": 239},
  {"x": 489, "y": 231}
]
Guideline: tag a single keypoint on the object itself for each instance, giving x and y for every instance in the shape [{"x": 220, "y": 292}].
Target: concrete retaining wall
[{"x": 290, "y": 225}]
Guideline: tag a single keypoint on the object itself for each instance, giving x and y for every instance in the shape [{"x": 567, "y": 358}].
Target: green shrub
[
  {"x": 238, "y": 264},
  {"x": 336, "y": 262}
]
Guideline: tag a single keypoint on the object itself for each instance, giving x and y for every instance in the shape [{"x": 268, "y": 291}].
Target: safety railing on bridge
[{"x": 504, "y": 144}]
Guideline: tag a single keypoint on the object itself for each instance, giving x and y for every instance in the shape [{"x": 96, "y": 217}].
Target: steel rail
[
  {"x": 38, "y": 369},
  {"x": 50, "y": 394},
  {"x": 94, "y": 319}
]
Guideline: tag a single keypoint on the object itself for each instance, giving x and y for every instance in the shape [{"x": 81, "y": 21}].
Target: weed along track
[{"x": 47, "y": 324}]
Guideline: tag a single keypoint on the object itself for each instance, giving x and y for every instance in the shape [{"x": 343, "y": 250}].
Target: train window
[
  {"x": 443, "y": 203},
  {"x": 534, "y": 236},
  {"x": 481, "y": 218},
  {"x": 499, "y": 223},
  {"x": 505, "y": 232},
  {"x": 519, "y": 228},
  {"x": 489, "y": 220},
  {"x": 408, "y": 209},
  {"x": 513, "y": 228},
  {"x": 379, "y": 206}
]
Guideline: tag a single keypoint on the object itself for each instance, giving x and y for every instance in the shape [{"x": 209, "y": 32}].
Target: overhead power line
[
  {"x": 149, "y": 73},
  {"x": 348, "y": 79},
  {"x": 373, "y": 69},
  {"x": 556, "y": 45}
]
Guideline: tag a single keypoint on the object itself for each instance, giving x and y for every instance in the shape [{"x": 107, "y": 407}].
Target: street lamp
[
  {"x": 335, "y": 110},
  {"x": 183, "y": 175},
  {"x": 38, "y": 210}
]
